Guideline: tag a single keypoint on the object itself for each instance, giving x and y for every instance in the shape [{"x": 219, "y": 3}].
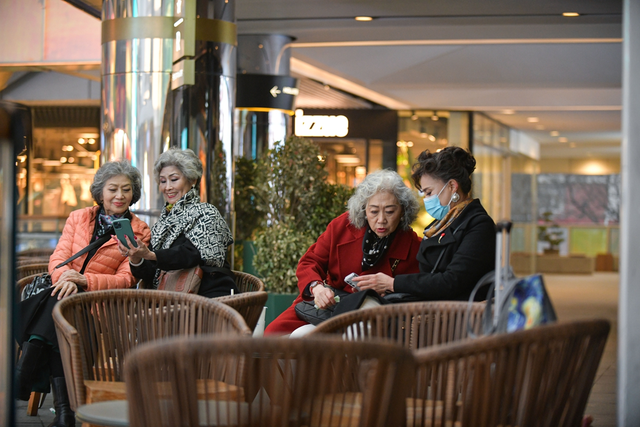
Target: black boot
[
  {"x": 65, "y": 417},
  {"x": 33, "y": 357}
]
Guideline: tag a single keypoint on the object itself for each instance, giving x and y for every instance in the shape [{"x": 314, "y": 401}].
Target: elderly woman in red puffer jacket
[{"x": 116, "y": 186}]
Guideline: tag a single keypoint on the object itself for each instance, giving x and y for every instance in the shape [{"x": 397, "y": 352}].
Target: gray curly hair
[
  {"x": 116, "y": 168},
  {"x": 383, "y": 180},
  {"x": 185, "y": 160}
]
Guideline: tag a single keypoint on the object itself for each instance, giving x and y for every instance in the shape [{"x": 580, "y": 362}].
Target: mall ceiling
[{"x": 518, "y": 61}]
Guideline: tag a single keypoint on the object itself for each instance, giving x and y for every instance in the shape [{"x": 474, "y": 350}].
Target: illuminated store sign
[{"x": 321, "y": 126}]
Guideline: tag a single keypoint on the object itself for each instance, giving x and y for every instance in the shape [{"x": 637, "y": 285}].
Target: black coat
[
  {"x": 467, "y": 252},
  {"x": 183, "y": 254}
]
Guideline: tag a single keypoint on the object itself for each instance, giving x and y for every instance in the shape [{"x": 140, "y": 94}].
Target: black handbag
[
  {"x": 307, "y": 311},
  {"x": 43, "y": 281}
]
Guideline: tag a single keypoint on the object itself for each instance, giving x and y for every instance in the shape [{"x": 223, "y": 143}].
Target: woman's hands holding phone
[{"x": 135, "y": 254}]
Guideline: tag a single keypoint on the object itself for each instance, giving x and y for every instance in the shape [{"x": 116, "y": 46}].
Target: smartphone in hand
[
  {"x": 350, "y": 282},
  {"x": 122, "y": 227}
]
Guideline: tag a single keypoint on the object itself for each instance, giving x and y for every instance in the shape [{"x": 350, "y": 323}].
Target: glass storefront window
[
  {"x": 348, "y": 161},
  {"x": 62, "y": 163}
]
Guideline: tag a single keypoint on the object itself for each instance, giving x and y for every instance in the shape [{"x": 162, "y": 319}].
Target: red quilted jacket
[{"x": 108, "y": 269}]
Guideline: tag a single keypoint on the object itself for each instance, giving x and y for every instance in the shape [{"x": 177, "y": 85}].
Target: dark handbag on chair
[
  {"x": 186, "y": 280},
  {"x": 43, "y": 281}
]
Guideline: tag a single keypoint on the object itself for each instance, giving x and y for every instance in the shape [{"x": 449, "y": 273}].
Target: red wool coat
[
  {"x": 337, "y": 253},
  {"x": 108, "y": 269}
]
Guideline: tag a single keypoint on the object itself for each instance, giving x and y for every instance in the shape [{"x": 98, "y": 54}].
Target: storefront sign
[
  {"x": 340, "y": 123},
  {"x": 321, "y": 125}
]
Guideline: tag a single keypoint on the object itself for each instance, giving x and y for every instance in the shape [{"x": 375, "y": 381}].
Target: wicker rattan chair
[
  {"x": 413, "y": 325},
  {"x": 248, "y": 304},
  {"x": 31, "y": 269},
  {"x": 317, "y": 381},
  {"x": 96, "y": 330},
  {"x": 247, "y": 282},
  {"x": 35, "y": 253},
  {"x": 28, "y": 261},
  {"x": 538, "y": 377}
]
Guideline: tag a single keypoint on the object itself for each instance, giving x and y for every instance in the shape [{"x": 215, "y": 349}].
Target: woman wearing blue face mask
[{"x": 458, "y": 247}]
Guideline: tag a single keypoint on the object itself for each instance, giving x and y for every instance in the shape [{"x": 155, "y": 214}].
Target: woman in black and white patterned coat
[{"x": 188, "y": 232}]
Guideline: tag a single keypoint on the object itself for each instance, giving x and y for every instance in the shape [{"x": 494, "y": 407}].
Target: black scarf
[{"x": 374, "y": 248}]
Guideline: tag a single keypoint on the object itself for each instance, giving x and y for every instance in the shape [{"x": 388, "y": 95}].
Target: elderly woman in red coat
[{"x": 373, "y": 238}]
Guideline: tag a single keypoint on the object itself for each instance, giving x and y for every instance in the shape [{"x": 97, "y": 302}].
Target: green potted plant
[
  {"x": 248, "y": 217},
  {"x": 296, "y": 204},
  {"x": 549, "y": 231}
]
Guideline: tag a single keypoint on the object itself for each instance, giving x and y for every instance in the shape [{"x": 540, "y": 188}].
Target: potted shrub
[
  {"x": 549, "y": 231},
  {"x": 295, "y": 204}
]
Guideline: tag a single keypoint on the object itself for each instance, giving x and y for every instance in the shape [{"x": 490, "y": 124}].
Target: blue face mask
[{"x": 434, "y": 207}]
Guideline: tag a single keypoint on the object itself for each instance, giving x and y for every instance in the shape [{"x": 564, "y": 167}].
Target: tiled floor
[
  {"x": 574, "y": 297},
  {"x": 595, "y": 296}
]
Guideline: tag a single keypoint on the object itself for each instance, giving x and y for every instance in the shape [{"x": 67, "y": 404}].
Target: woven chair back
[
  {"x": 246, "y": 282},
  {"x": 268, "y": 382},
  {"x": 248, "y": 304},
  {"x": 31, "y": 269},
  {"x": 412, "y": 325},
  {"x": 35, "y": 253},
  {"x": 538, "y": 377},
  {"x": 97, "y": 330}
]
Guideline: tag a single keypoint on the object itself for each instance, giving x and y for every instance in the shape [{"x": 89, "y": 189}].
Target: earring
[{"x": 455, "y": 198}]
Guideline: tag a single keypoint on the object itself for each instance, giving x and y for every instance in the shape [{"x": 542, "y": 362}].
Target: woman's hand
[
  {"x": 64, "y": 288},
  {"x": 379, "y": 282},
  {"x": 75, "y": 277},
  {"x": 135, "y": 254},
  {"x": 323, "y": 297}
]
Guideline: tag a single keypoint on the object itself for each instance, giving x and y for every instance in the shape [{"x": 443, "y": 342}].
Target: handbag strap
[{"x": 101, "y": 241}]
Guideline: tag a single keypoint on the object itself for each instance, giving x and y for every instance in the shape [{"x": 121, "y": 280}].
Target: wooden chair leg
[{"x": 34, "y": 403}]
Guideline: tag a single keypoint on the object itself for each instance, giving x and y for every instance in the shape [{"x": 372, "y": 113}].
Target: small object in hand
[
  {"x": 350, "y": 282},
  {"x": 335, "y": 298}
]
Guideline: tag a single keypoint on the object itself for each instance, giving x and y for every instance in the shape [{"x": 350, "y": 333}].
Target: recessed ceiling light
[
  {"x": 533, "y": 119},
  {"x": 554, "y": 133},
  {"x": 570, "y": 14},
  {"x": 364, "y": 18},
  {"x": 562, "y": 139}
]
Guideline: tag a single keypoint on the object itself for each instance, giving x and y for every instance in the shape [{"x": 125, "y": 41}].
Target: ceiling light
[
  {"x": 508, "y": 112},
  {"x": 81, "y": 141},
  {"x": 414, "y": 116},
  {"x": 562, "y": 139},
  {"x": 554, "y": 133},
  {"x": 410, "y": 144},
  {"x": 92, "y": 141},
  {"x": 435, "y": 117},
  {"x": 423, "y": 135},
  {"x": 432, "y": 138},
  {"x": 326, "y": 87},
  {"x": 570, "y": 14},
  {"x": 71, "y": 160},
  {"x": 364, "y": 18},
  {"x": 63, "y": 160},
  {"x": 347, "y": 159},
  {"x": 533, "y": 119},
  {"x": 400, "y": 143}
]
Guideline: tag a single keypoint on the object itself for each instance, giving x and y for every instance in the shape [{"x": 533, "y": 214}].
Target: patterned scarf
[
  {"x": 201, "y": 223},
  {"x": 374, "y": 247},
  {"x": 438, "y": 226},
  {"x": 104, "y": 225}
]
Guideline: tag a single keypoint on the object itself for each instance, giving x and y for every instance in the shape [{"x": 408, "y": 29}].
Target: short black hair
[{"x": 447, "y": 164}]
